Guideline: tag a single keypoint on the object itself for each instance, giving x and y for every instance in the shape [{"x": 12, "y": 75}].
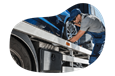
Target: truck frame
[{"x": 36, "y": 49}]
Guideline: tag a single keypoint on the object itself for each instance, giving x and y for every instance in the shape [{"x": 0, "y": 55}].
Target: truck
[{"x": 41, "y": 44}]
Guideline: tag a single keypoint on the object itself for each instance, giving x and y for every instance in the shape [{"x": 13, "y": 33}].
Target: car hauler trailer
[
  {"x": 35, "y": 49},
  {"x": 46, "y": 51}
]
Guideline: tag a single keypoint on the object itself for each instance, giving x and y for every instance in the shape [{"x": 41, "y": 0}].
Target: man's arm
[
  {"x": 77, "y": 36},
  {"x": 77, "y": 24}
]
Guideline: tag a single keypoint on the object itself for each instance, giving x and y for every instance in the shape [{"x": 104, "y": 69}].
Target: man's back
[{"x": 91, "y": 23}]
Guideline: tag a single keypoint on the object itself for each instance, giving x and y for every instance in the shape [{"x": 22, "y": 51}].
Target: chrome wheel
[{"x": 71, "y": 30}]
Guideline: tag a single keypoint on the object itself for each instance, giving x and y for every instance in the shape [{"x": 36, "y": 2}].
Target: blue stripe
[
  {"x": 67, "y": 11},
  {"x": 48, "y": 22}
]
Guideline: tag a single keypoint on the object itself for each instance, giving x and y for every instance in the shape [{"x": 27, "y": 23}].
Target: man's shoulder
[
  {"x": 89, "y": 17},
  {"x": 92, "y": 17},
  {"x": 86, "y": 17}
]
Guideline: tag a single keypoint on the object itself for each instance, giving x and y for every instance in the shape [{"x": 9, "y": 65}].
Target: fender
[{"x": 24, "y": 38}]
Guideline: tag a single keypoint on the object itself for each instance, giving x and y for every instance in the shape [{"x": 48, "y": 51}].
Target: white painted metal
[{"x": 37, "y": 32}]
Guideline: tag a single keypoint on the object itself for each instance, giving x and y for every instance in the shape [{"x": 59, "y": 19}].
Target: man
[{"x": 92, "y": 25}]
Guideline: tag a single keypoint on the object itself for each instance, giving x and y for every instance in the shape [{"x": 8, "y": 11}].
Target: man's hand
[
  {"x": 77, "y": 24},
  {"x": 77, "y": 36},
  {"x": 72, "y": 39}
]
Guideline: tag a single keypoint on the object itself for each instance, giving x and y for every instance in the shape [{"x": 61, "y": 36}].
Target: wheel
[
  {"x": 70, "y": 30},
  {"x": 19, "y": 54}
]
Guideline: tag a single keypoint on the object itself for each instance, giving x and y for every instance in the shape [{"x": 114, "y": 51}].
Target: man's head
[{"x": 75, "y": 16}]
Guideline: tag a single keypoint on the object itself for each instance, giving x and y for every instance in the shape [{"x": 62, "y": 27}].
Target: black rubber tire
[
  {"x": 19, "y": 49},
  {"x": 64, "y": 34}
]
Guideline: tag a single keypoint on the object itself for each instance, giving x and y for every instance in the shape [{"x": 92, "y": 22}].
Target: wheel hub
[{"x": 71, "y": 30}]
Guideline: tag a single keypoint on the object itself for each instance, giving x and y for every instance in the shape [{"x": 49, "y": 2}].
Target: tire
[
  {"x": 20, "y": 54},
  {"x": 70, "y": 30}
]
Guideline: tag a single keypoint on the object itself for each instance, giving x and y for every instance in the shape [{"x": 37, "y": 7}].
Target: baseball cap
[{"x": 74, "y": 13}]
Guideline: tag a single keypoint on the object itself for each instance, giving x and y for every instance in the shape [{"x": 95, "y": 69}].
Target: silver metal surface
[
  {"x": 48, "y": 46},
  {"x": 37, "y": 32},
  {"x": 71, "y": 53},
  {"x": 75, "y": 59},
  {"x": 44, "y": 35},
  {"x": 69, "y": 69}
]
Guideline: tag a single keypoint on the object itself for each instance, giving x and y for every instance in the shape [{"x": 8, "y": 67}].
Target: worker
[{"x": 88, "y": 24}]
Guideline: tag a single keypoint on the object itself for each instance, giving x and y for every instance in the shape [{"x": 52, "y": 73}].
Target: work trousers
[{"x": 98, "y": 40}]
